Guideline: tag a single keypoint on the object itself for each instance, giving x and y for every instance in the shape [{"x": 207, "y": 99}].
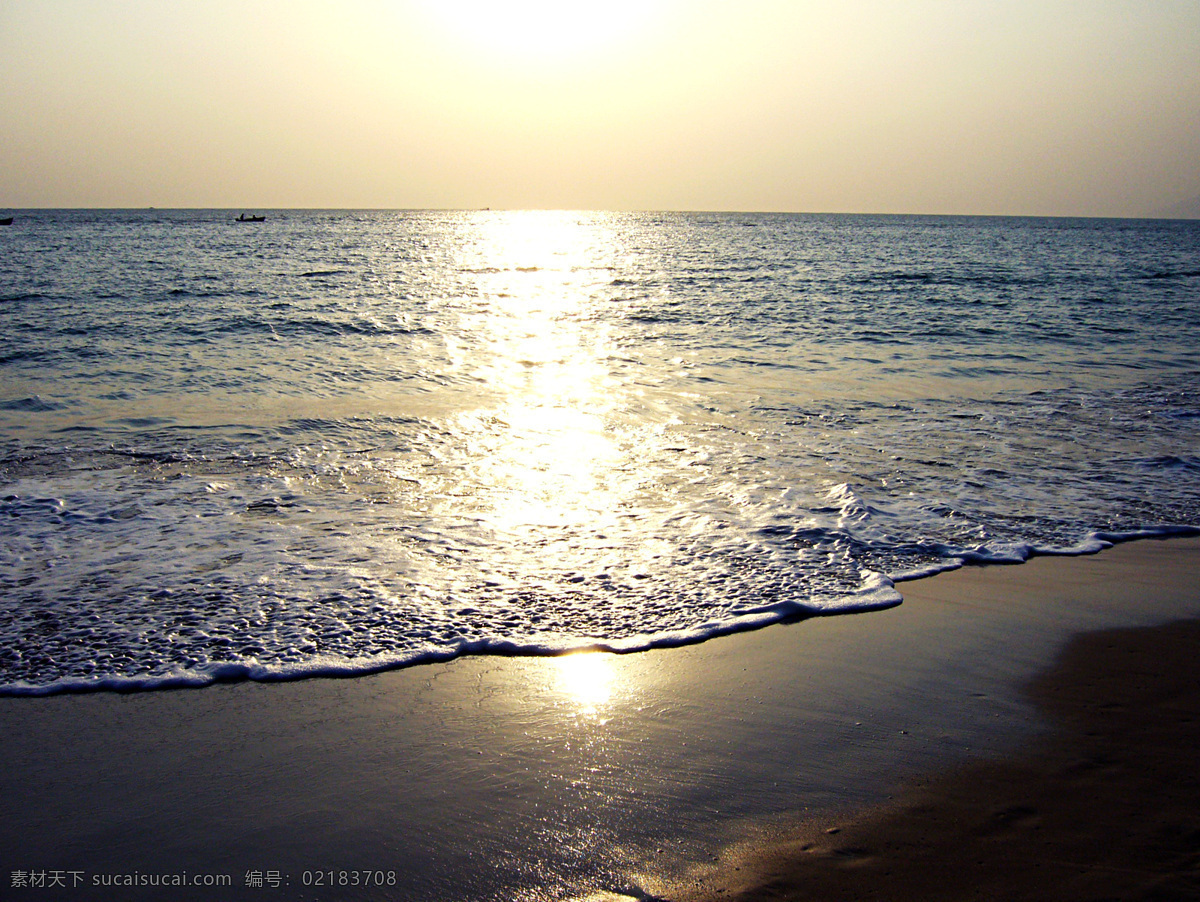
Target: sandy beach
[
  {"x": 1106, "y": 805},
  {"x": 941, "y": 749}
]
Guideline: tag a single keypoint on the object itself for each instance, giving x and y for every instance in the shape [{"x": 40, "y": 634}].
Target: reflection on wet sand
[{"x": 588, "y": 678}]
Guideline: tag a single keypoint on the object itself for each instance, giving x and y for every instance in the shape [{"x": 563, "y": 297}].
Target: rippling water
[{"x": 340, "y": 441}]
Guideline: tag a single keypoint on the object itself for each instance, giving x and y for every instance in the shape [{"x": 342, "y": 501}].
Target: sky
[{"x": 1009, "y": 107}]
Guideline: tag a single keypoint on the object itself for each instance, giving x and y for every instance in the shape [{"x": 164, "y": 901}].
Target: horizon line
[{"x": 680, "y": 211}]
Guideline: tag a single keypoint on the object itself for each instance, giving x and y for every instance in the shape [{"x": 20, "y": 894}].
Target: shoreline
[
  {"x": 232, "y": 673},
  {"x": 559, "y": 778}
]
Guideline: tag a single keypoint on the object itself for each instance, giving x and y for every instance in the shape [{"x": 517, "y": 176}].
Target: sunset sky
[{"x": 1030, "y": 107}]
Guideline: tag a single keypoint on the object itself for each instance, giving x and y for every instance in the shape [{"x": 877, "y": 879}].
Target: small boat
[
  {"x": 6, "y": 220},
  {"x": 245, "y": 218}
]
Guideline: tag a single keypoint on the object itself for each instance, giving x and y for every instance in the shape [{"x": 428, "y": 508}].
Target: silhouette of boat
[
  {"x": 6, "y": 220},
  {"x": 245, "y": 218}
]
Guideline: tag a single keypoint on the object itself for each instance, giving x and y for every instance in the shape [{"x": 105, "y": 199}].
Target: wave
[
  {"x": 22, "y": 297},
  {"x": 878, "y": 593},
  {"x": 1174, "y": 274},
  {"x": 879, "y": 596},
  {"x": 34, "y": 404},
  {"x": 296, "y": 327},
  {"x": 940, "y": 278}
]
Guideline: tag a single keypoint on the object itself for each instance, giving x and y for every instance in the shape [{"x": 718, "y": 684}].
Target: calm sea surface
[{"x": 336, "y": 442}]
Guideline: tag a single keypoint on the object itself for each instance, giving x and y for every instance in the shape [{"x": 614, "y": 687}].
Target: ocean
[{"x": 338, "y": 442}]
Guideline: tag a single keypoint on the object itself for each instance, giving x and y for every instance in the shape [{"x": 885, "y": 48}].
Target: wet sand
[
  {"x": 687, "y": 773},
  {"x": 1105, "y": 806}
]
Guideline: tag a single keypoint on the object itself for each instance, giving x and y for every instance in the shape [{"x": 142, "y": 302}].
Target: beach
[
  {"x": 894, "y": 747},
  {"x": 1107, "y": 807},
  {"x": 1104, "y": 805}
]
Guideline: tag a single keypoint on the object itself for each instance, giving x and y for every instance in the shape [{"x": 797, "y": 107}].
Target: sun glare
[
  {"x": 542, "y": 29},
  {"x": 587, "y": 678},
  {"x": 550, "y": 457},
  {"x": 554, "y": 466}
]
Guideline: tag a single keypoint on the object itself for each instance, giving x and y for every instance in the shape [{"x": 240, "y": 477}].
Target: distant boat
[
  {"x": 6, "y": 221},
  {"x": 245, "y": 218}
]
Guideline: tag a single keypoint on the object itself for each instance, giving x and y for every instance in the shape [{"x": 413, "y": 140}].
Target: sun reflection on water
[{"x": 548, "y": 455}]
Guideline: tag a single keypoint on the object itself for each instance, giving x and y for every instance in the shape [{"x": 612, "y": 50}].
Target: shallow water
[{"x": 341, "y": 441}]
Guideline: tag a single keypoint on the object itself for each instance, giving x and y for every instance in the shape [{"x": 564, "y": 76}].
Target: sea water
[{"x": 339, "y": 442}]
